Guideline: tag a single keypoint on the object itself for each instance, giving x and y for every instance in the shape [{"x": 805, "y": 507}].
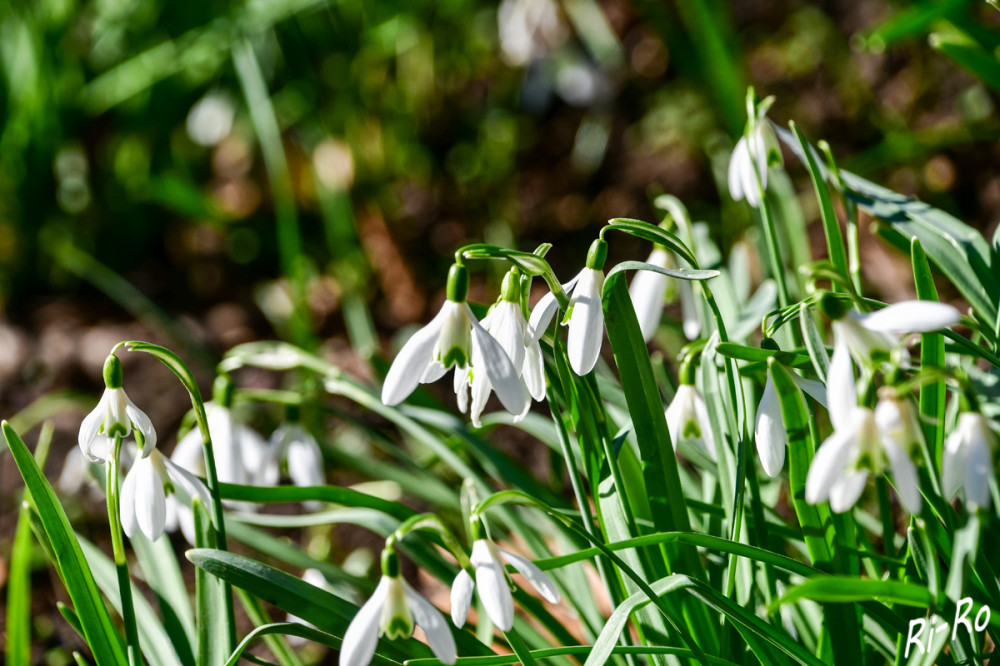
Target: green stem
[
  {"x": 118, "y": 548},
  {"x": 519, "y": 648}
]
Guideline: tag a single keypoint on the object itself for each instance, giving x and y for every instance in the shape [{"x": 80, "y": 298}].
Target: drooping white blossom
[
  {"x": 967, "y": 460},
  {"x": 143, "y": 497},
  {"x": 393, "y": 610},
  {"x": 294, "y": 449},
  {"x": 115, "y": 414},
  {"x": 494, "y": 585},
  {"x": 770, "y": 434},
  {"x": 752, "y": 156},
  {"x": 688, "y": 422},
  {"x": 647, "y": 291}
]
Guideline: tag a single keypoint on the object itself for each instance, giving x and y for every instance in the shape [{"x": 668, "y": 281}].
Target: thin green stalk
[
  {"x": 519, "y": 648},
  {"x": 118, "y": 548}
]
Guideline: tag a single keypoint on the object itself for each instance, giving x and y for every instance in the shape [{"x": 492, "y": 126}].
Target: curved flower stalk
[
  {"x": 144, "y": 494},
  {"x": 967, "y": 460},
  {"x": 505, "y": 323},
  {"x": 688, "y": 422},
  {"x": 494, "y": 584},
  {"x": 114, "y": 415},
  {"x": 454, "y": 339},
  {"x": 394, "y": 610},
  {"x": 294, "y": 449},
  {"x": 753, "y": 154},
  {"x": 867, "y": 442},
  {"x": 770, "y": 434}
]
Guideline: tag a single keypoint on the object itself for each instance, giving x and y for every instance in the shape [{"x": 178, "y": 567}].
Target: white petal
[
  {"x": 170, "y": 522},
  {"x": 675, "y": 414},
  {"x": 904, "y": 476},
  {"x": 499, "y": 370},
  {"x": 689, "y": 309},
  {"x": 141, "y": 423},
  {"x": 740, "y": 156},
  {"x": 461, "y": 597},
  {"x": 507, "y": 327},
  {"x": 533, "y": 371},
  {"x": 225, "y": 445},
  {"x": 750, "y": 187},
  {"x": 433, "y": 623},
  {"x": 538, "y": 578},
  {"x": 126, "y": 503},
  {"x": 89, "y": 427},
  {"x": 361, "y": 636},
  {"x": 953, "y": 461},
  {"x": 978, "y": 472},
  {"x": 187, "y": 482},
  {"x": 912, "y": 317},
  {"x": 769, "y": 431},
  {"x": 707, "y": 440},
  {"x": 305, "y": 463},
  {"x": 150, "y": 499},
  {"x": 461, "y": 385},
  {"x": 491, "y": 581},
  {"x": 253, "y": 448},
  {"x": 434, "y": 372},
  {"x": 647, "y": 292},
  {"x": 189, "y": 453},
  {"x": 412, "y": 361},
  {"x": 586, "y": 324},
  {"x": 828, "y": 465},
  {"x": 846, "y": 490},
  {"x": 840, "y": 389},
  {"x": 74, "y": 472}
]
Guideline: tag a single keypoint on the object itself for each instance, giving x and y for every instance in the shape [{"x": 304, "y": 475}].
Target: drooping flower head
[
  {"x": 146, "y": 489},
  {"x": 494, "y": 584},
  {"x": 393, "y": 611},
  {"x": 770, "y": 434},
  {"x": 293, "y": 449},
  {"x": 114, "y": 416},
  {"x": 967, "y": 460},
  {"x": 585, "y": 314},
  {"x": 688, "y": 422},
  {"x": 756, "y": 151},
  {"x": 505, "y": 323},
  {"x": 454, "y": 339}
]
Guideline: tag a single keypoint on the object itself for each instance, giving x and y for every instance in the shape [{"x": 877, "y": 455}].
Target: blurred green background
[{"x": 304, "y": 169}]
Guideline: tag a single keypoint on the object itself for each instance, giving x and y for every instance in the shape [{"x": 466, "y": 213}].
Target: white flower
[
  {"x": 239, "y": 450},
  {"x": 769, "y": 425},
  {"x": 585, "y": 319},
  {"x": 505, "y": 323},
  {"x": 315, "y": 578},
  {"x": 293, "y": 447},
  {"x": 494, "y": 584},
  {"x": 528, "y": 29},
  {"x": 861, "y": 336},
  {"x": 143, "y": 497},
  {"x": 453, "y": 338},
  {"x": 865, "y": 442},
  {"x": 689, "y": 309},
  {"x": 393, "y": 610},
  {"x": 750, "y": 160},
  {"x": 688, "y": 422},
  {"x": 114, "y": 415},
  {"x": 967, "y": 461},
  {"x": 647, "y": 291}
]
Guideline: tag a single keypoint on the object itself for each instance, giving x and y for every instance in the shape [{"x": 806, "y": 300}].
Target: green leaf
[
  {"x": 292, "y": 595},
  {"x": 967, "y": 53},
  {"x": 850, "y": 589},
  {"x": 95, "y": 623},
  {"x": 932, "y": 395},
  {"x": 18, "y": 611},
  {"x": 153, "y": 640},
  {"x": 679, "y": 273},
  {"x": 814, "y": 342},
  {"x": 831, "y": 227},
  {"x": 333, "y": 494},
  {"x": 652, "y": 233},
  {"x": 303, "y": 631},
  {"x": 160, "y": 570}
]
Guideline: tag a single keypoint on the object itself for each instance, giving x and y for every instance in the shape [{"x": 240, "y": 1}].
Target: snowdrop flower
[
  {"x": 114, "y": 416},
  {"x": 528, "y": 29},
  {"x": 239, "y": 450},
  {"x": 967, "y": 461},
  {"x": 293, "y": 447},
  {"x": 867, "y": 336},
  {"x": 688, "y": 422},
  {"x": 505, "y": 323},
  {"x": 454, "y": 338},
  {"x": 647, "y": 291},
  {"x": 585, "y": 315},
  {"x": 144, "y": 497},
  {"x": 864, "y": 443},
  {"x": 494, "y": 584},
  {"x": 769, "y": 425},
  {"x": 754, "y": 153},
  {"x": 393, "y": 610}
]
